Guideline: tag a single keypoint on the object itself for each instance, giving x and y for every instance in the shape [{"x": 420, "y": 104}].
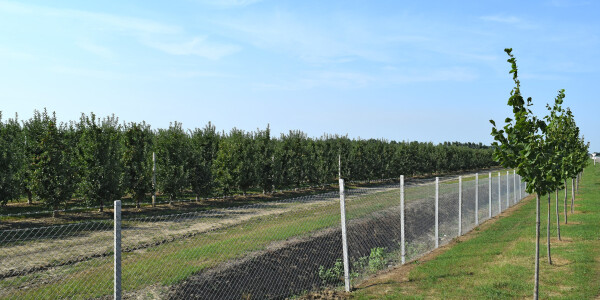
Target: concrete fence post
[
  {"x": 490, "y": 195},
  {"x": 459, "y": 205},
  {"x": 437, "y": 223},
  {"x": 344, "y": 237},
  {"x": 402, "y": 239},
  {"x": 514, "y": 186},
  {"x": 476, "y": 199},
  {"x": 117, "y": 250},
  {"x": 507, "y": 189},
  {"x": 499, "y": 192},
  {"x": 520, "y": 187},
  {"x": 153, "y": 179}
]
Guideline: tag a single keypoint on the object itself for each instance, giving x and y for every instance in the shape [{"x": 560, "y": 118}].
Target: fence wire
[
  {"x": 271, "y": 250},
  {"x": 66, "y": 261}
]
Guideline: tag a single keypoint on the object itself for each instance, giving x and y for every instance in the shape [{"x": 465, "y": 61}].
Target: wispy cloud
[
  {"x": 543, "y": 76},
  {"x": 330, "y": 79},
  {"x": 568, "y": 3},
  {"x": 122, "y": 23},
  {"x": 196, "y": 74},
  {"x": 147, "y": 32},
  {"x": 502, "y": 19},
  {"x": 198, "y": 46},
  {"x": 95, "y": 49},
  {"x": 510, "y": 20},
  {"x": 90, "y": 73},
  {"x": 457, "y": 74},
  {"x": 331, "y": 40},
  {"x": 14, "y": 54},
  {"x": 228, "y": 3},
  {"x": 357, "y": 80}
]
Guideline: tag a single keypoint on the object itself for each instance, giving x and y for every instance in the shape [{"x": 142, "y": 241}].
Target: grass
[
  {"x": 172, "y": 262},
  {"x": 497, "y": 260},
  {"x": 175, "y": 261}
]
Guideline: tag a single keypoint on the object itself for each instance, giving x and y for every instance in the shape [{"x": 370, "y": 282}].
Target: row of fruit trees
[{"x": 97, "y": 160}]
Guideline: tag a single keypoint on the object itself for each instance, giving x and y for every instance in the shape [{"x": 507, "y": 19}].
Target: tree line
[
  {"x": 97, "y": 160},
  {"x": 546, "y": 152}
]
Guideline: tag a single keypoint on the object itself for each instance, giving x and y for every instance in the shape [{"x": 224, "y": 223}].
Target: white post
[
  {"x": 402, "y": 241},
  {"x": 490, "y": 195},
  {"x": 344, "y": 239},
  {"x": 459, "y": 205},
  {"x": 499, "y": 192},
  {"x": 437, "y": 198},
  {"x": 476, "y": 198},
  {"x": 514, "y": 186},
  {"x": 117, "y": 250},
  {"x": 520, "y": 187},
  {"x": 507, "y": 190},
  {"x": 153, "y": 179},
  {"x": 339, "y": 166}
]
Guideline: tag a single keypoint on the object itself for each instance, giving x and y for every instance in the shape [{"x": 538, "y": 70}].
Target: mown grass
[{"x": 498, "y": 261}]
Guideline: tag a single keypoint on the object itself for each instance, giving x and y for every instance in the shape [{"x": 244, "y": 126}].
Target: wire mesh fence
[
  {"x": 270, "y": 250},
  {"x": 67, "y": 261}
]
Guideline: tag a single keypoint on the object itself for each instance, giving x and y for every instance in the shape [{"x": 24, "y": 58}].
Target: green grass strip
[{"x": 498, "y": 262}]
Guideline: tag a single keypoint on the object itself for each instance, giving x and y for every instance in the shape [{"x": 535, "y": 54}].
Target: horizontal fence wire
[{"x": 271, "y": 250}]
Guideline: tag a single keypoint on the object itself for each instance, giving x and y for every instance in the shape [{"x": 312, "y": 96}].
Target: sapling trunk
[
  {"x": 548, "y": 230},
  {"x": 557, "y": 218},
  {"x": 572, "y": 195},
  {"x": 566, "y": 197},
  {"x": 29, "y": 197},
  {"x": 138, "y": 198},
  {"x": 537, "y": 247}
]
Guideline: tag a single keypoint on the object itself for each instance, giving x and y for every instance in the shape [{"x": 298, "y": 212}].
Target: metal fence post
[
  {"x": 437, "y": 198},
  {"x": 402, "y": 240},
  {"x": 344, "y": 239},
  {"x": 499, "y": 192},
  {"x": 117, "y": 250},
  {"x": 476, "y": 198},
  {"x": 459, "y": 205},
  {"x": 490, "y": 195}
]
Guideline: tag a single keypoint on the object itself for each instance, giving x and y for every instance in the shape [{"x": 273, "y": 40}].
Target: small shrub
[
  {"x": 377, "y": 259},
  {"x": 332, "y": 275}
]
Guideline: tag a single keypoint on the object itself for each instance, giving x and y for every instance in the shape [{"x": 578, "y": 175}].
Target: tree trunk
[
  {"x": 572, "y": 195},
  {"x": 101, "y": 206},
  {"x": 557, "y": 218},
  {"x": 138, "y": 199},
  {"x": 566, "y": 197},
  {"x": 537, "y": 247},
  {"x": 197, "y": 198},
  {"x": 29, "y": 197},
  {"x": 548, "y": 229}
]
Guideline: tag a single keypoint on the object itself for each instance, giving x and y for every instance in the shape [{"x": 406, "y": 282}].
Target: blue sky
[{"x": 414, "y": 70}]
